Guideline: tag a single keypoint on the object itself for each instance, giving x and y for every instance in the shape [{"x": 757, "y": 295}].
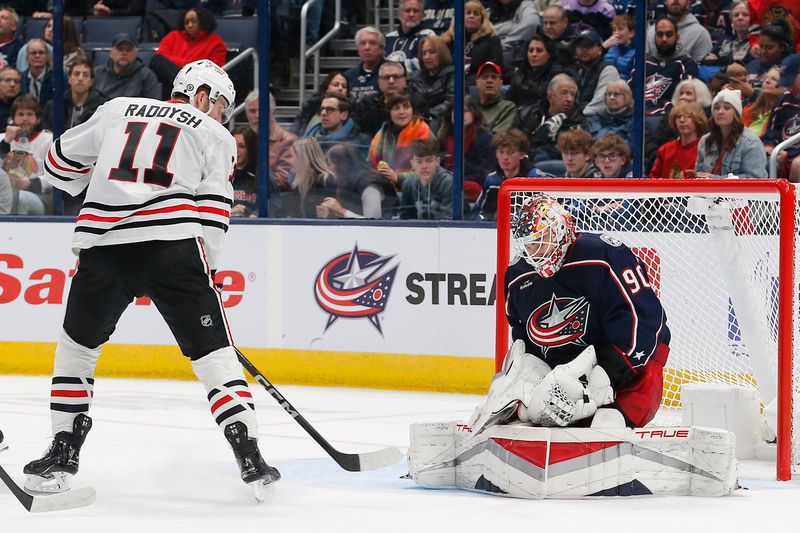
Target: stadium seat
[
  {"x": 99, "y": 31},
  {"x": 146, "y": 55},
  {"x": 101, "y": 57},
  {"x": 239, "y": 33},
  {"x": 34, "y": 28},
  {"x": 78, "y": 21},
  {"x": 157, "y": 23}
]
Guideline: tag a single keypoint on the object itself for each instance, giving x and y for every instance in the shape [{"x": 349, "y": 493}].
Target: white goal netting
[{"x": 714, "y": 261}]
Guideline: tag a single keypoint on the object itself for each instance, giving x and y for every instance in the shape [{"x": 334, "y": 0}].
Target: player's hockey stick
[
  {"x": 352, "y": 462},
  {"x": 51, "y": 502}
]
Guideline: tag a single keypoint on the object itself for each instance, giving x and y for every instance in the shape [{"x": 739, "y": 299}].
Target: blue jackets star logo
[
  {"x": 558, "y": 322},
  {"x": 355, "y": 285}
]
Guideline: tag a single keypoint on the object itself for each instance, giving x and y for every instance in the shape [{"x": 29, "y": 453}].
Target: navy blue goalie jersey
[{"x": 601, "y": 296}]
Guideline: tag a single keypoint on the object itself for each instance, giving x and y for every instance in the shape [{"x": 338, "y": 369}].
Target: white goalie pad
[
  {"x": 529, "y": 462},
  {"x": 515, "y": 382}
]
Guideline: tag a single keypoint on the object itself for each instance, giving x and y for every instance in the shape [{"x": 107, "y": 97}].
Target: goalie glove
[
  {"x": 562, "y": 398},
  {"x": 599, "y": 387},
  {"x": 519, "y": 376},
  {"x": 559, "y": 400}
]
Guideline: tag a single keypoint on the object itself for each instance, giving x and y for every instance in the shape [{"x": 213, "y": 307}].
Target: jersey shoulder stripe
[
  {"x": 76, "y": 166},
  {"x": 55, "y": 164},
  {"x": 50, "y": 172}
]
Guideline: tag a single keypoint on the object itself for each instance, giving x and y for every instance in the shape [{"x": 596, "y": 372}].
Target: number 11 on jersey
[{"x": 157, "y": 174}]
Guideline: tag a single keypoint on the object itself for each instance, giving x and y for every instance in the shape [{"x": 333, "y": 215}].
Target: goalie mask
[
  {"x": 206, "y": 73},
  {"x": 541, "y": 232}
]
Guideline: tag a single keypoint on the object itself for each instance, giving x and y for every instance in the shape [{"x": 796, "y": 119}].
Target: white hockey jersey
[
  {"x": 36, "y": 145},
  {"x": 154, "y": 170}
]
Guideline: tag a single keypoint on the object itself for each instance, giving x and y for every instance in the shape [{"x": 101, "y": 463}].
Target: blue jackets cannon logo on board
[{"x": 355, "y": 284}]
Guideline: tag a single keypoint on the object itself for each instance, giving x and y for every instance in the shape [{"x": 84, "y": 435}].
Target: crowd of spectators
[
  {"x": 548, "y": 92},
  {"x": 93, "y": 76}
]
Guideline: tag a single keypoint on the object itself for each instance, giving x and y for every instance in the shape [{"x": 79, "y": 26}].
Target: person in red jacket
[
  {"x": 676, "y": 159},
  {"x": 195, "y": 41}
]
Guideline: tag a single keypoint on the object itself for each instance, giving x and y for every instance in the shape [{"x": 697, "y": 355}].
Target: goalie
[
  {"x": 584, "y": 307},
  {"x": 590, "y": 341}
]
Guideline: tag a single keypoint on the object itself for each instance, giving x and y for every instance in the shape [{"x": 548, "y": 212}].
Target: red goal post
[{"x": 740, "y": 279}]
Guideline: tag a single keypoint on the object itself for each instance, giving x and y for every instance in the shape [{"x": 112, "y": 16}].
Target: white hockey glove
[
  {"x": 562, "y": 398},
  {"x": 515, "y": 383},
  {"x": 599, "y": 387},
  {"x": 553, "y": 124}
]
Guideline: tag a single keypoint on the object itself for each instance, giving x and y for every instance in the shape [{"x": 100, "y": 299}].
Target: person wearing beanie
[
  {"x": 729, "y": 147},
  {"x": 732, "y": 97}
]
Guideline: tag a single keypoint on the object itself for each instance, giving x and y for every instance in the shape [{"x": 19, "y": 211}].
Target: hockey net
[{"x": 727, "y": 284}]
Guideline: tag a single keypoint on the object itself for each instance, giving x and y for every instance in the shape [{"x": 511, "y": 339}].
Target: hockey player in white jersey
[{"x": 158, "y": 197}]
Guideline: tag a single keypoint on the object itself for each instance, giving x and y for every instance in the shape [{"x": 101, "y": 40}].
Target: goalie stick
[
  {"x": 70, "y": 499},
  {"x": 352, "y": 462}
]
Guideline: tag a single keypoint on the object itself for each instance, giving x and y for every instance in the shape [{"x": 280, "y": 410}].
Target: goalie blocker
[{"x": 538, "y": 462}]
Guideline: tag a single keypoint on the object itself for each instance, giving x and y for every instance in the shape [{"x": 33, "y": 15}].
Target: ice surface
[{"x": 159, "y": 464}]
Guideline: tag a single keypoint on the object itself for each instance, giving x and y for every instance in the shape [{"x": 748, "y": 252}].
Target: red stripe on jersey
[
  {"x": 215, "y": 211},
  {"x": 169, "y": 209},
  {"x": 244, "y": 394},
  {"x": 65, "y": 169},
  {"x": 68, "y": 393},
  {"x": 222, "y": 401}
]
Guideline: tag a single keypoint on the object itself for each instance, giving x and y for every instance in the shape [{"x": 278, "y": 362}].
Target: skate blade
[
  {"x": 263, "y": 489},
  {"x": 58, "y": 482}
]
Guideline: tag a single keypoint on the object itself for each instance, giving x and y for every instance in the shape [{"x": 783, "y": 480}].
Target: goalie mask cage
[{"x": 721, "y": 256}]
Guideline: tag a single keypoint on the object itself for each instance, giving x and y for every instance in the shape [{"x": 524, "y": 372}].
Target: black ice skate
[
  {"x": 52, "y": 472},
  {"x": 255, "y": 471}
]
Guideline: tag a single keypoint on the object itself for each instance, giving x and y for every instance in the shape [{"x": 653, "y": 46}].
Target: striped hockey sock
[
  {"x": 228, "y": 394},
  {"x": 69, "y": 397},
  {"x": 229, "y": 400},
  {"x": 72, "y": 388}
]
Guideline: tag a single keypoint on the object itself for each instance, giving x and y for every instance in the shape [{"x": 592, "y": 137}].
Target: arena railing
[
  {"x": 773, "y": 158},
  {"x": 244, "y": 54},
  {"x": 315, "y": 49}
]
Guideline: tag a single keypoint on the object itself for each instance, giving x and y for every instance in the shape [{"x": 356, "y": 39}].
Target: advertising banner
[{"x": 374, "y": 289}]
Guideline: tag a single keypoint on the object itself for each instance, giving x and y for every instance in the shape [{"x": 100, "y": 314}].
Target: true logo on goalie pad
[
  {"x": 558, "y": 322},
  {"x": 531, "y": 462}
]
